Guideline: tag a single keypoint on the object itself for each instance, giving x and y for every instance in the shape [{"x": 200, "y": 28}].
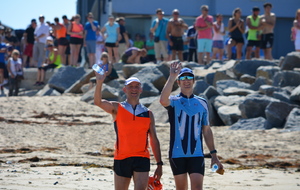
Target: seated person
[
  {"x": 53, "y": 61},
  {"x": 133, "y": 55}
]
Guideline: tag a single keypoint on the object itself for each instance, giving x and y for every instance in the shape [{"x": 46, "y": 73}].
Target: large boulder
[
  {"x": 250, "y": 66},
  {"x": 200, "y": 86},
  {"x": 249, "y": 124},
  {"x": 47, "y": 91},
  {"x": 237, "y": 91},
  {"x": 65, "y": 77},
  {"x": 108, "y": 93},
  {"x": 247, "y": 79},
  {"x": 229, "y": 114},
  {"x": 291, "y": 61},
  {"x": 159, "y": 112},
  {"x": 286, "y": 78},
  {"x": 147, "y": 101},
  {"x": 220, "y": 101},
  {"x": 214, "y": 118},
  {"x": 221, "y": 75},
  {"x": 254, "y": 105},
  {"x": 268, "y": 89},
  {"x": 282, "y": 95},
  {"x": 76, "y": 87},
  {"x": 293, "y": 120},
  {"x": 295, "y": 96},
  {"x": 267, "y": 71},
  {"x": 224, "y": 84},
  {"x": 258, "y": 82},
  {"x": 276, "y": 114},
  {"x": 210, "y": 92},
  {"x": 209, "y": 78},
  {"x": 131, "y": 69}
]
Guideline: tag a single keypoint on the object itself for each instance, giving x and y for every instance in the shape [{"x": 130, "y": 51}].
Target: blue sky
[{"x": 18, "y": 13}]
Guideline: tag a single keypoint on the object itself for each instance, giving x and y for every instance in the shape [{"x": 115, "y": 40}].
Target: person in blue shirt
[
  {"x": 159, "y": 29},
  {"x": 189, "y": 123},
  {"x": 90, "y": 38},
  {"x": 3, "y": 68}
]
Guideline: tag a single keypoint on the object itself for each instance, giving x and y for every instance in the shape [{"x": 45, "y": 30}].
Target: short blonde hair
[
  {"x": 104, "y": 54},
  {"x": 15, "y": 52}
]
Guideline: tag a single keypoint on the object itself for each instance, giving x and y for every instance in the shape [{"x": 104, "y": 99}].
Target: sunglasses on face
[{"x": 186, "y": 78}]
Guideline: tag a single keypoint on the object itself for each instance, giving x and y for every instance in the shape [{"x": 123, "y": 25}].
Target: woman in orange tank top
[
  {"x": 61, "y": 32},
  {"x": 76, "y": 32}
]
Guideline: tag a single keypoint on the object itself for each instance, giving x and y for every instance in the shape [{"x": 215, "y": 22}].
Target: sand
[{"x": 63, "y": 143}]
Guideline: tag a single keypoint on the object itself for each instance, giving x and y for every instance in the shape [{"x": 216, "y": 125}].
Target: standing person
[
  {"x": 175, "y": 31},
  {"x": 218, "y": 37},
  {"x": 124, "y": 41},
  {"x": 204, "y": 24},
  {"x": 66, "y": 23},
  {"x": 3, "y": 68},
  {"x": 29, "y": 41},
  {"x": 192, "y": 37},
  {"x": 41, "y": 33},
  {"x": 254, "y": 34},
  {"x": 99, "y": 44},
  {"x": 76, "y": 33},
  {"x": 268, "y": 20},
  {"x": 15, "y": 69},
  {"x": 296, "y": 30},
  {"x": 189, "y": 121},
  {"x": 61, "y": 36},
  {"x": 112, "y": 30},
  {"x": 236, "y": 28},
  {"x": 150, "y": 48},
  {"x": 159, "y": 28},
  {"x": 134, "y": 123},
  {"x": 90, "y": 38}
]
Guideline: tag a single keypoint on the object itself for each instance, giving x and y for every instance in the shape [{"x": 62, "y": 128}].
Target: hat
[
  {"x": 184, "y": 71},
  {"x": 255, "y": 9},
  {"x": 175, "y": 11},
  {"x": 159, "y": 10},
  {"x": 41, "y": 16},
  {"x": 49, "y": 38},
  {"x": 132, "y": 79}
]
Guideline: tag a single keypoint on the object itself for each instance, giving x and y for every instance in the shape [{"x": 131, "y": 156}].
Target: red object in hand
[{"x": 154, "y": 184}]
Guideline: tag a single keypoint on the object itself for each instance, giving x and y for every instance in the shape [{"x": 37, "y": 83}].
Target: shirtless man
[
  {"x": 175, "y": 30},
  {"x": 268, "y": 20}
]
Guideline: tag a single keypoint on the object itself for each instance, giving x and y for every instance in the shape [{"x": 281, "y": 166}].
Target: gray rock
[
  {"x": 282, "y": 96},
  {"x": 210, "y": 92},
  {"x": 291, "y": 61},
  {"x": 209, "y": 78},
  {"x": 65, "y": 77},
  {"x": 276, "y": 114},
  {"x": 108, "y": 93},
  {"x": 249, "y": 124},
  {"x": 221, "y": 75},
  {"x": 224, "y": 84},
  {"x": 295, "y": 96},
  {"x": 293, "y": 120},
  {"x": 250, "y": 66},
  {"x": 85, "y": 88},
  {"x": 131, "y": 69},
  {"x": 159, "y": 112},
  {"x": 47, "y": 91},
  {"x": 258, "y": 82},
  {"x": 118, "y": 66},
  {"x": 254, "y": 105},
  {"x": 267, "y": 71},
  {"x": 76, "y": 87},
  {"x": 268, "y": 90},
  {"x": 247, "y": 79},
  {"x": 237, "y": 91},
  {"x": 286, "y": 78},
  {"x": 148, "y": 100},
  {"x": 200, "y": 86},
  {"x": 229, "y": 114},
  {"x": 214, "y": 118},
  {"x": 220, "y": 101}
]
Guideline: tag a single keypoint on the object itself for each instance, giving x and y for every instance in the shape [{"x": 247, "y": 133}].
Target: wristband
[
  {"x": 160, "y": 163},
  {"x": 213, "y": 151}
]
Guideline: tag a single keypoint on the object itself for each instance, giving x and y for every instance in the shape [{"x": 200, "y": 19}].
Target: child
[
  {"x": 99, "y": 44},
  {"x": 15, "y": 69}
]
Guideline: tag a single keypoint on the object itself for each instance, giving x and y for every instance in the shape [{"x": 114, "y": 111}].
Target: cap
[
  {"x": 41, "y": 16},
  {"x": 175, "y": 11},
  {"x": 132, "y": 79},
  {"x": 255, "y": 9},
  {"x": 184, "y": 71},
  {"x": 49, "y": 38},
  {"x": 159, "y": 10}
]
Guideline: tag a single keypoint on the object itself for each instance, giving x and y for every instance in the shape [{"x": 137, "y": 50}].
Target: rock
[
  {"x": 214, "y": 118},
  {"x": 224, "y": 84},
  {"x": 249, "y": 124},
  {"x": 286, "y": 78},
  {"x": 250, "y": 66},
  {"x": 118, "y": 66},
  {"x": 200, "y": 86},
  {"x": 267, "y": 71},
  {"x": 291, "y": 61},
  {"x": 220, "y": 101},
  {"x": 258, "y": 82},
  {"x": 47, "y": 91},
  {"x": 209, "y": 78},
  {"x": 221, "y": 75},
  {"x": 210, "y": 92},
  {"x": 293, "y": 120},
  {"x": 65, "y": 77},
  {"x": 268, "y": 90},
  {"x": 282, "y": 96},
  {"x": 237, "y": 91},
  {"x": 85, "y": 88},
  {"x": 30, "y": 75},
  {"x": 148, "y": 100},
  {"x": 229, "y": 114},
  {"x": 247, "y": 79},
  {"x": 159, "y": 112},
  {"x": 116, "y": 83},
  {"x": 165, "y": 69},
  {"x": 131, "y": 69},
  {"x": 254, "y": 105},
  {"x": 108, "y": 93},
  {"x": 76, "y": 87},
  {"x": 276, "y": 114},
  {"x": 295, "y": 96}
]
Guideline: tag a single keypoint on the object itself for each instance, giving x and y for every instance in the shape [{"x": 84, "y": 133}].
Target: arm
[
  {"x": 168, "y": 31},
  {"x": 153, "y": 29},
  {"x": 209, "y": 140},
  {"x": 109, "y": 68},
  {"x": 155, "y": 146},
  {"x": 103, "y": 30},
  {"x": 25, "y": 38},
  {"x": 242, "y": 27},
  {"x": 94, "y": 28},
  {"x": 165, "y": 93}
]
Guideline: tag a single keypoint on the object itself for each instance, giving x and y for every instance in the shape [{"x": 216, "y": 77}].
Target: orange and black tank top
[{"x": 132, "y": 128}]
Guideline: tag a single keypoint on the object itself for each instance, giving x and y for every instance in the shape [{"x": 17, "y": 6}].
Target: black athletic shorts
[
  {"x": 63, "y": 41},
  {"x": 187, "y": 165},
  {"x": 112, "y": 45},
  {"x": 49, "y": 66},
  {"x": 126, "y": 167},
  {"x": 177, "y": 43},
  {"x": 238, "y": 40},
  {"x": 267, "y": 41},
  {"x": 76, "y": 41},
  {"x": 252, "y": 43}
]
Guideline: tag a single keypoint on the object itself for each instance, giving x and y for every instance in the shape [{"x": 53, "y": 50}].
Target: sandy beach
[{"x": 60, "y": 142}]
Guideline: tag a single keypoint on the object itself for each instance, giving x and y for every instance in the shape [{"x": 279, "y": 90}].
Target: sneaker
[{"x": 41, "y": 83}]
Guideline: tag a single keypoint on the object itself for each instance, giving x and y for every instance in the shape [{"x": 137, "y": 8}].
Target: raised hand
[{"x": 175, "y": 68}]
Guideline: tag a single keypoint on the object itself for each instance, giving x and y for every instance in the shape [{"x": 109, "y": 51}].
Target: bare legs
[{"x": 75, "y": 48}]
